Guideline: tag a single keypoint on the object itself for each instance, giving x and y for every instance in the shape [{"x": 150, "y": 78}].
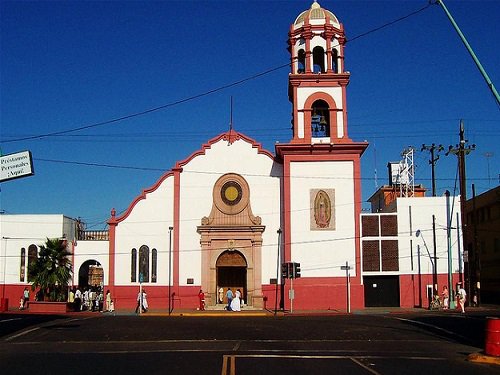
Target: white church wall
[
  {"x": 197, "y": 181},
  {"x": 419, "y": 212},
  {"x": 147, "y": 224},
  {"x": 21, "y": 231},
  {"x": 322, "y": 252}
]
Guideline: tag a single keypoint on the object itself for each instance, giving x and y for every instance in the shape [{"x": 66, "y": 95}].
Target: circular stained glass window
[{"x": 231, "y": 193}]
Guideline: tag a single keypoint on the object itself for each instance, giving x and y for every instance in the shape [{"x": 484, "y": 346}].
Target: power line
[{"x": 197, "y": 96}]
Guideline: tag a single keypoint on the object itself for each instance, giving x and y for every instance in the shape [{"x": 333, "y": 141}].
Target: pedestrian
[
  {"x": 201, "y": 297},
  {"x": 446, "y": 297},
  {"x": 229, "y": 296},
  {"x": 461, "y": 297},
  {"x": 236, "y": 302},
  {"x": 26, "y": 298},
  {"x": 78, "y": 299},
  {"x": 221, "y": 295},
  {"x": 142, "y": 302},
  {"x": 108, "y": 300}
]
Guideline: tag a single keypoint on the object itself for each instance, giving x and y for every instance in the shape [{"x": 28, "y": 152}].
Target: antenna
[
  {"x": 487, "y": 155},
  {"x": 231, "y": 115}
]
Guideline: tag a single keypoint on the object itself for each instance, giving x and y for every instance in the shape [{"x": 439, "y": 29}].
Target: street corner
[{"x": 483, "y": 358}]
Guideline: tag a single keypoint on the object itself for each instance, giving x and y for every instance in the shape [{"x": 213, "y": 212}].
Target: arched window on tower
[
  {"x": 301, "y": 62},
  {"x": 133, "y": 266},
  {"x": 335, "y": 60},
  {"x": 318, "y": 60},
  {"x": 144, "y": 263},
  {"x": 320, "y": 119}
]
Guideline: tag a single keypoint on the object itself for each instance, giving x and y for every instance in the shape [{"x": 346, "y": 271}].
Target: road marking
[
  {"x": 237, "y": 346},
  {"x": 435, "y": 327},
  {"x": 364, "y": 366},
  {"x": 21, "y": 334},
  {"x": 229, "y": 361},
  {"x": 9, "y": 320}
]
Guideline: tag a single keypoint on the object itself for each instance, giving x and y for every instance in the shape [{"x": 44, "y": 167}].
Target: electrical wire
[{"x": 197, "y": 96}]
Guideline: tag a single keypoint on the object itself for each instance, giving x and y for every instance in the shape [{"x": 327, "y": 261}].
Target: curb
[{"x": 483, "y": 358}]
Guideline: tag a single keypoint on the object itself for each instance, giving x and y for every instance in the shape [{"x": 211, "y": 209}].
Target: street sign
[{"x": 16, "y": 165}]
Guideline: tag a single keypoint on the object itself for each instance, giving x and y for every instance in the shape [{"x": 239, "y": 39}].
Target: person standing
[
  {"x": 142, "y": 302},
  {"x": 461, "y": 297},
  {"x": 201, "y": 297},
  {"x": 229, "y": 296},
  {"x": 108, "y": 301},
  {"x": 446, "y": 297},
  {"x": 26, "y": 298},
  {"x": 236, "y": 302},
  {"x": 78, "y": 300}
]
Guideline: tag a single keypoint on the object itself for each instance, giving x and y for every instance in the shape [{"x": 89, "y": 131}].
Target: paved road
[{"x": 425, "y": 343}]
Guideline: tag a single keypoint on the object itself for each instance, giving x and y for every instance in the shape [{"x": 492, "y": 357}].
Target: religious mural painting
[{"x": 322, "y": 203}]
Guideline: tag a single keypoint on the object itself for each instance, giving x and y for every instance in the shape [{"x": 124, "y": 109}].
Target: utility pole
[
  {"x": 433, "y": 149},
  {"x": 435, "y": 289},
  {"x": 461, "y": 150},
  {"x": 477, "y": 251}
]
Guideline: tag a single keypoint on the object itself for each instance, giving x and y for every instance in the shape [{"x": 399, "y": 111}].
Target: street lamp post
[
  {"x": 448, "y": 236},
  {"x": 170, "y": 269},
  {"x": 278, "y": 273}
]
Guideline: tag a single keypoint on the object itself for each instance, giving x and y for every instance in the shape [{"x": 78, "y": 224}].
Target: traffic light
[
  {"x": 296, "y": 270},
  {"x": 290, "y": 270},
  {"x": 284, "y": 270}
]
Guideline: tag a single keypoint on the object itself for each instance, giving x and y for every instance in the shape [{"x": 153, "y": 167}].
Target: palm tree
[{"x": 52, "y": 270}]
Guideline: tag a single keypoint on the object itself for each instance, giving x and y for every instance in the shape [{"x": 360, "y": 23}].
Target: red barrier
[
  {"x": 492, "y": 339},
  {"x": 4, "y": 304}
]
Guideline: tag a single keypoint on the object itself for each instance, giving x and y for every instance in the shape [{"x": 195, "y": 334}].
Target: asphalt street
[{"x": 391, "y": 343}]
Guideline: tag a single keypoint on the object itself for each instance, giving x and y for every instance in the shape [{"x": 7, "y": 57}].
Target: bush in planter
[{"x": 51, "y": 271}]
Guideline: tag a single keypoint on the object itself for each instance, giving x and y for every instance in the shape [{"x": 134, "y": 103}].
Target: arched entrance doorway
[
  {"x": 90, "y": 273},
  {"x": 231, "y": 273}
]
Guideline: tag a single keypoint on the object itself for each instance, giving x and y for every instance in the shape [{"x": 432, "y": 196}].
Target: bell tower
[
  {"x": 321, "y": 189},
  {"x": 317, "y": 82}
]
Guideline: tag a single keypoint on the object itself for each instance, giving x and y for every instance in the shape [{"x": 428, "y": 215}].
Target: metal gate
[{"x": 381, "y": 291}]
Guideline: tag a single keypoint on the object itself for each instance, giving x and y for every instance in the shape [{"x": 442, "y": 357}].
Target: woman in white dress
[{"x": 235, "y": 303}]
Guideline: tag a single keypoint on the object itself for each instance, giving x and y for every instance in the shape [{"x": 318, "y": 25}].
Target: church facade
[
  {"x": 212, "y": 223},
  {"x": 232, "y": 213}
]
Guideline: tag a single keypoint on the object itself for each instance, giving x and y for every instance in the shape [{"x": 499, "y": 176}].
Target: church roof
[{"x": 316, "y": 12}]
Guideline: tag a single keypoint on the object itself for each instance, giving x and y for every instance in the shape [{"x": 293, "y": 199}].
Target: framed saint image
[{"x": 322, "y": 203}]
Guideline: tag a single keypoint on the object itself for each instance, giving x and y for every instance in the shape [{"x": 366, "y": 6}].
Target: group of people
[
  {"x": 461, "y": 297},
  {"x": 91, "y": 299},
  {"x": 233, "y": 300}
]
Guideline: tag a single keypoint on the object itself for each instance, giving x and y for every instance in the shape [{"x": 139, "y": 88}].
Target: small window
[
  {"x": 22, "y": 270},
  {"x": 144, "y": 264},
  {"x": 301, "y": 62},
  {"x": 133, "y": 266},
  {"x": 32, "y": 257},
  {"x": 335, "y": 61},
  {"x": 318, "y": 60},
  {"x": 154, "y": 267}
]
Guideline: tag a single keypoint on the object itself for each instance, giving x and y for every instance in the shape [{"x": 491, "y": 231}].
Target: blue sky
[{"x": 67, "y": 65}]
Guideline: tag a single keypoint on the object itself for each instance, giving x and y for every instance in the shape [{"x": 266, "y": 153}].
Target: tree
[{"x": 52, "y": 270}]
